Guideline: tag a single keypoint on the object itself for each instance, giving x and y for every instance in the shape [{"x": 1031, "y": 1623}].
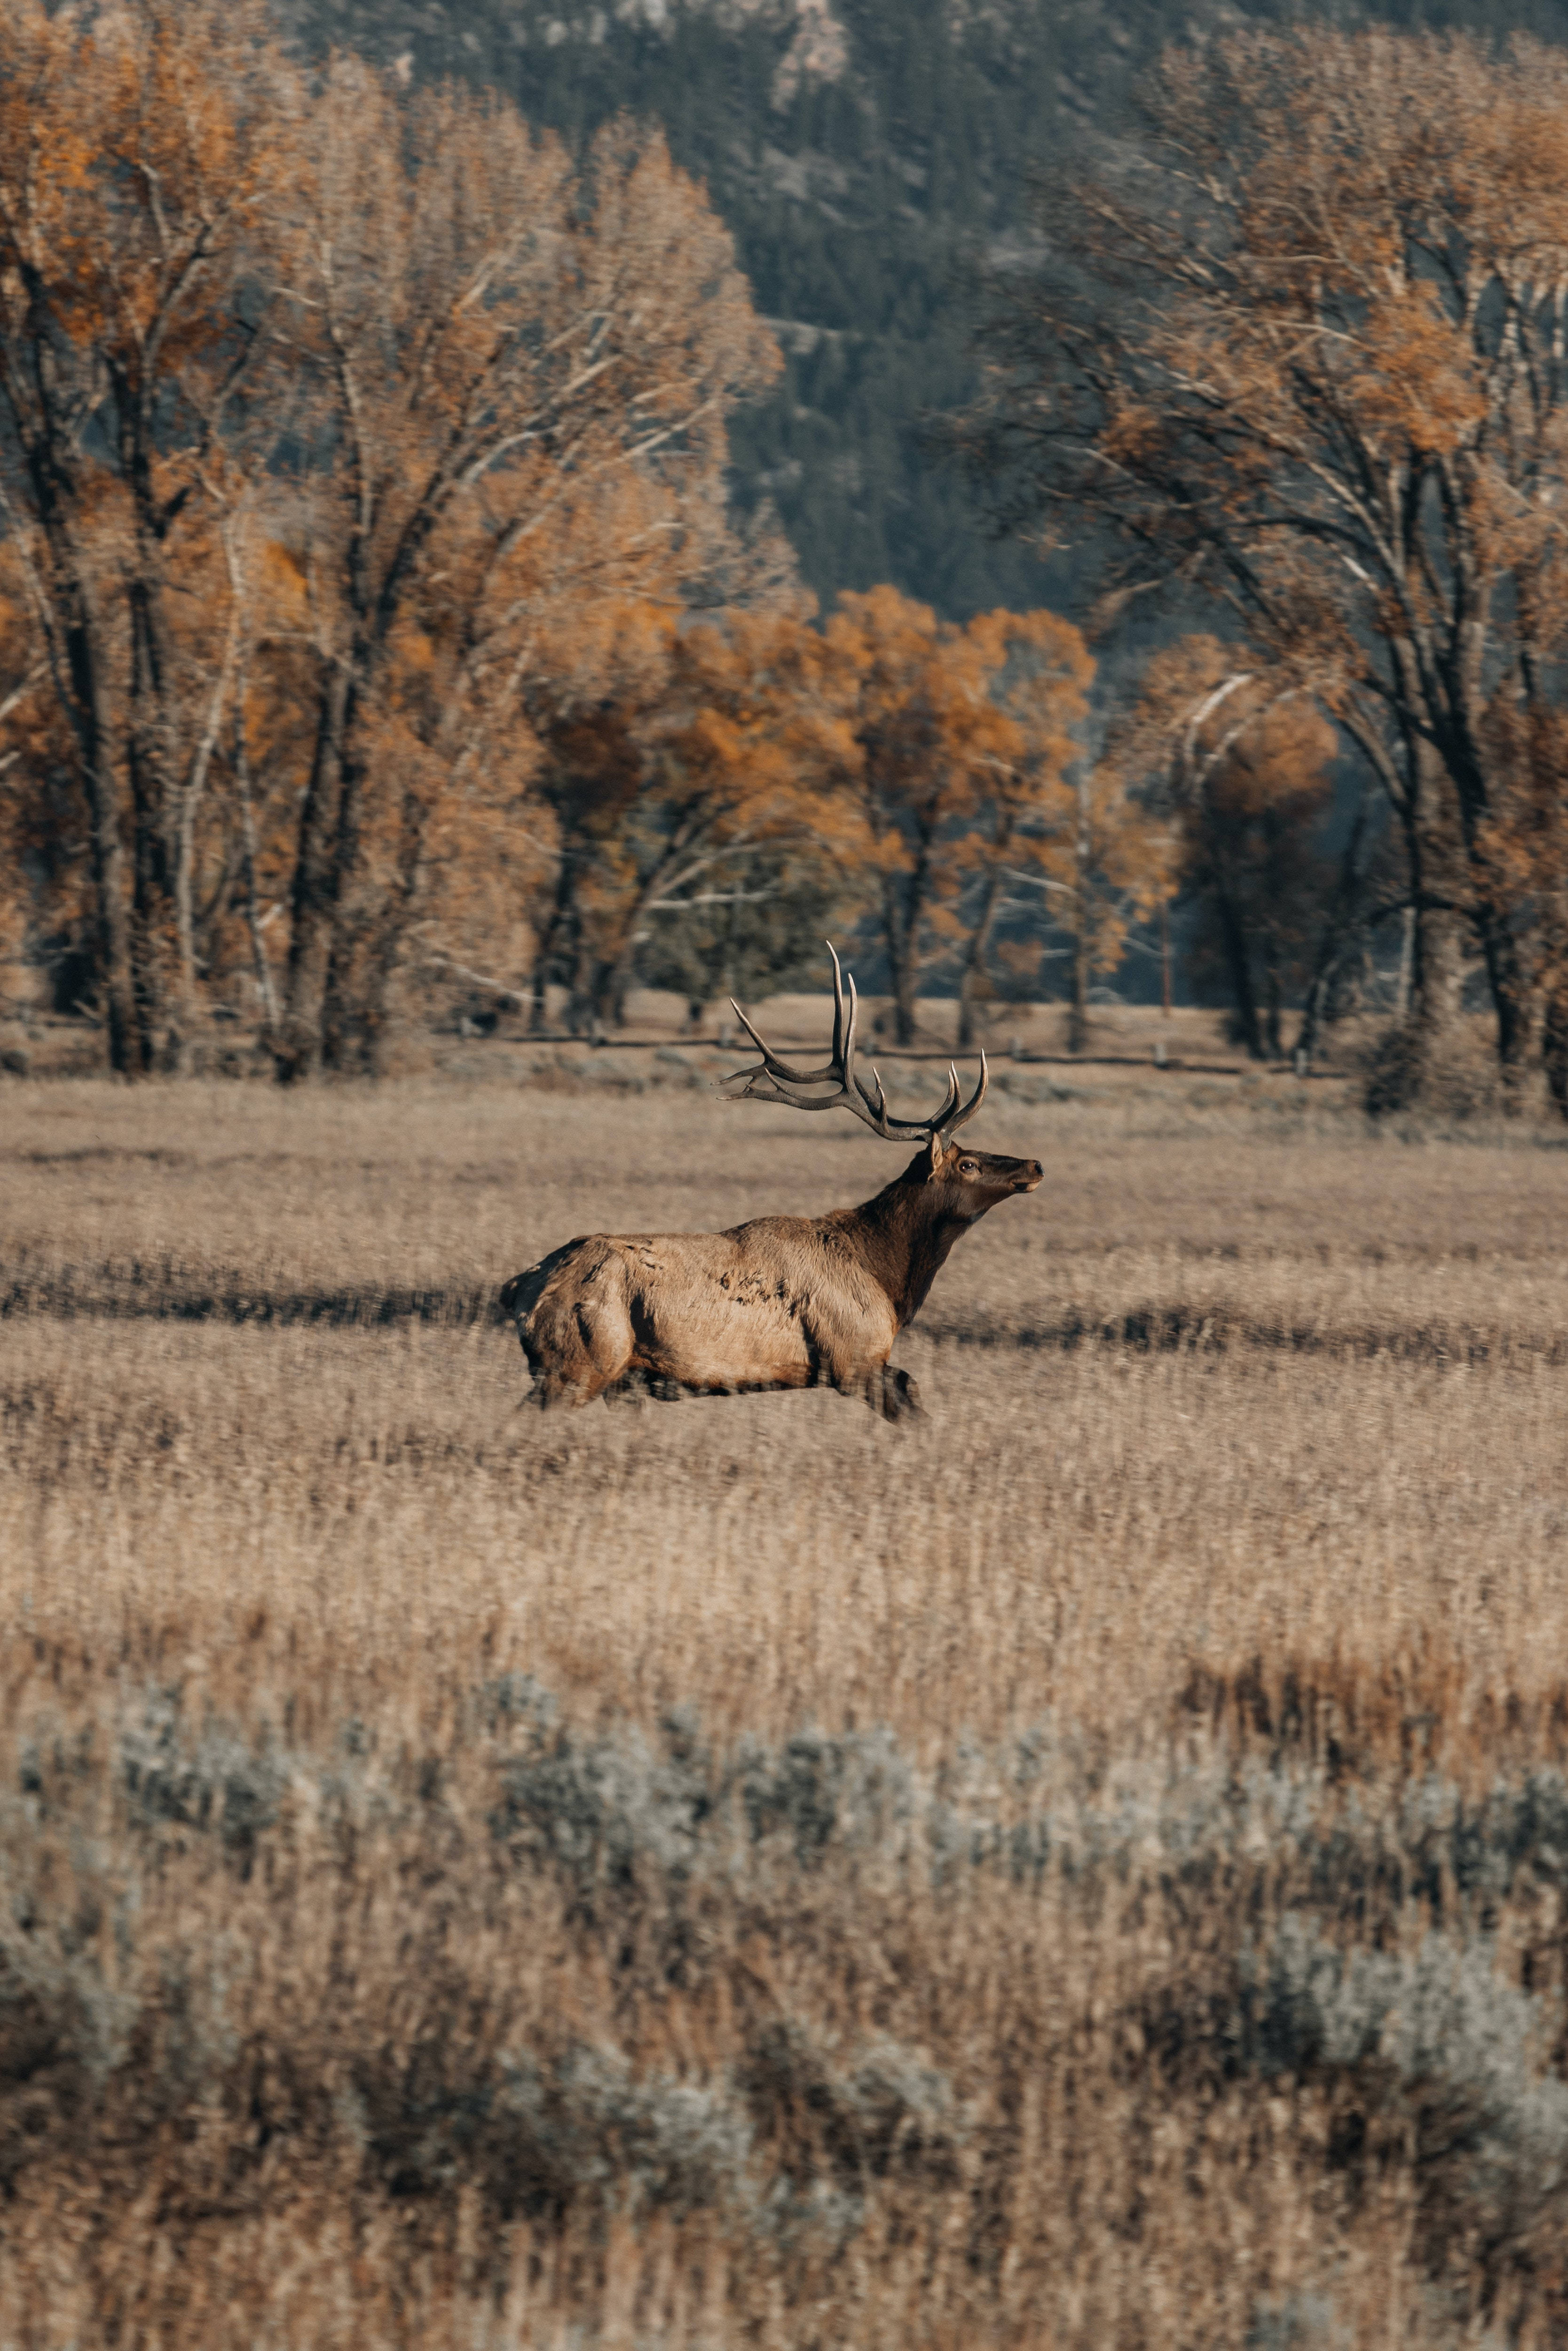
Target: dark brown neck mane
[{"x": 904, "y": 1236}]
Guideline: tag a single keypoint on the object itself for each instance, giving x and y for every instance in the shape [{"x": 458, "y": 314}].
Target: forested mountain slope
[{"x": 869, "y": 155}]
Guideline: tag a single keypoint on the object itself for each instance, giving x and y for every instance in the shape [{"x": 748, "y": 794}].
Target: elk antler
[{"x": 774, "y": 1081}]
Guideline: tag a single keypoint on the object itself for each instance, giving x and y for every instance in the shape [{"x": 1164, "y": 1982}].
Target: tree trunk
[
  {"x": 1436, "y": 966},
  {"x": 1554, "y": 1046},
  {"x": 580, "y": 1004},
  {"x": 898, "y": 939},
  {"x": 614, "y": 984},
  {"x": 186, "y": 1014},
  {"x": 260, "y": 961},
  {"x": 151, "y": 889},
  {"x": 1405, "y": 991},
  {"x": 345, "y": 1037},
  {"x": 393, "y": 918},
  {"x": 560, "y": 932},
  {"x": 153, "y": 734},
  {"x": 974, "y": 970},
  {"x": 1274, "y": 999},
  {"x": 1512, "y": 1005},
  {"x": 1335, "y": 932},
  {"x": 111, "y": 927},
  {"x": 296, "y": 1048},
  {"x": 539, "y": 984},
  {"x": 239, "y": 644},
  {"x": 1078, "y": 1004},
  {"x": 1437, "y": 974},
  {"x": 610, "y": 984},
  {"x": 904, "y": 897},
  {"x": 1238, "y": 970},
  {"x": 1438, "y": 874},
  {"x": 151, "y": 910},
  {"x": 1083, "y": 916},
  {"x": 71, "y": 625}
]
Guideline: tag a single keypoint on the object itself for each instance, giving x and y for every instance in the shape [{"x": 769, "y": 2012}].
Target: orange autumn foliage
[{"x": 1308, "y": 365}]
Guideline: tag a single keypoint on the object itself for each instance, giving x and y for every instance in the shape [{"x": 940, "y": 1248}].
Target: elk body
[{"x": 783, "y": 1302}]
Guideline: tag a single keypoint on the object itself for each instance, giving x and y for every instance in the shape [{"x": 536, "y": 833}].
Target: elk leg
[
  {"x": 897, "y": 1398},
  {"x": 579, "y": 1344},
  {"x": 555, "y": 1387},
  {"x": 638, "y": 1386},
  {"x": 553, "y": 1390},
  {"x": 892, "y": 1395}
]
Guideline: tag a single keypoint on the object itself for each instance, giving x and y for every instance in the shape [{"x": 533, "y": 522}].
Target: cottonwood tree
[
  {"x": 926, "y": 733},
  {"x": 1252, "y": 862},
  {"x": 144, "y": 156},
  {"x": 1308, "y": 359},
  {"x": 1528, "y": 849},
  {"x": 1241, "y": 762},
  {"x": 749, "y": 941},
  {"x": 715, "y": 753},
  {"x": 587, "y": 709},
  {"x": 746, "y": 755},
  {"x": 498, "y": 338},
  {"x": 1038, "y": 673},
  {"x": 967, "y": 780},
  {"x": 1102, "y": 862}
]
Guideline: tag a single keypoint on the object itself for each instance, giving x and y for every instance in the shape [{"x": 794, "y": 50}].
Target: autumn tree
[
  {"x": 747, "y": 758},
  {"x": 763, "y": 932},
  {"x": 1527, "y": 849},
  {"x": 969, "y": 780},
  {"x": 923, "y": 727},
  {"x": 588, "y": 708},
  {"x": 525, "y": 370},
  {"x": 1252, "y": 866},
  {"x": 1102, "y": 861},
  {"x": 1307, "y": 361},
  {"x": 715, "y": 757},
  {"x": 1038, "y": 671},
  {"x": 142, "y": 156},
  {"x": 1242, "y": 764}
]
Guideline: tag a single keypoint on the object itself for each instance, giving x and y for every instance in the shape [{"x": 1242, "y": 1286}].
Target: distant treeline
[
  {"x": 865, "y": 178},
  {"x": 375, "y": 613}
]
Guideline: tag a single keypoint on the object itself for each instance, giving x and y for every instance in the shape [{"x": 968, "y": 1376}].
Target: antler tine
[
  {"x": 771, "y": 1063},
  {"x": 875, "y": 1112},
  {"x": 838, "y": 1007},
  {"x": 951, "y": 1125}
]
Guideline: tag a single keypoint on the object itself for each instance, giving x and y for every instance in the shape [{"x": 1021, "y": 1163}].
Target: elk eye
[{"x": 967, "y": 1168}]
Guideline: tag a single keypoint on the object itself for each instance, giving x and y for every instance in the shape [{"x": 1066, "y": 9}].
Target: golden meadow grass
[{"x": 1088, "y": 1869}]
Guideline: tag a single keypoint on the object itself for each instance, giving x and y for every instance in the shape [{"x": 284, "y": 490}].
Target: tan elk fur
[{"x": 781, "y": 1303}]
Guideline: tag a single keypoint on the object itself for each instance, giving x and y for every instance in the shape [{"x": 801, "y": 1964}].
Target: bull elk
[{"x": 783, "y": 1302}]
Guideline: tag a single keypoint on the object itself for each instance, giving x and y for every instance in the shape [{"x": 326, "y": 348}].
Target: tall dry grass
[{"x": 1089, "y": 1870}]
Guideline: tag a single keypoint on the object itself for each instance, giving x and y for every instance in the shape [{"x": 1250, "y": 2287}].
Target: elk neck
[{"x": 902, "y": 1238}]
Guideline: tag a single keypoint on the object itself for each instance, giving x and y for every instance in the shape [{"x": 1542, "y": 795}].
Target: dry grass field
[{"x": 1090, "y": 1869}]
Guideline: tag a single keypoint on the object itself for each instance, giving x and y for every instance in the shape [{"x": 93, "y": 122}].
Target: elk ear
[{"x": 935, "y": 1158}]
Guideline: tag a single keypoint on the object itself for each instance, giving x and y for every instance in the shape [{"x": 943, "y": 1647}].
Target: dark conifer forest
[{"x": 871, "y": 157}]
